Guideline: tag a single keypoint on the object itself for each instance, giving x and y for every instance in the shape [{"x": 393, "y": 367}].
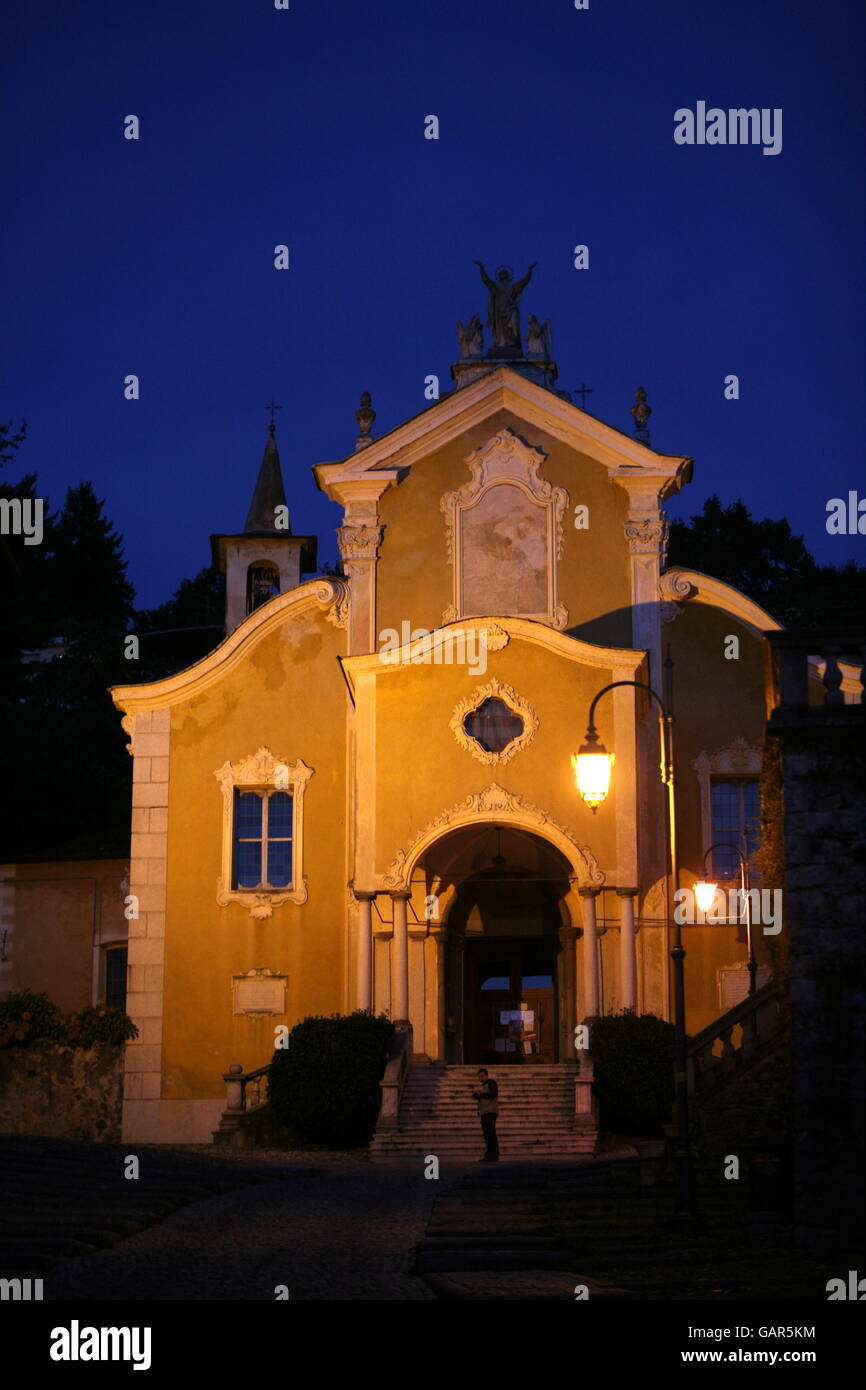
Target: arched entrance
[{"x": 507, "y": 941}]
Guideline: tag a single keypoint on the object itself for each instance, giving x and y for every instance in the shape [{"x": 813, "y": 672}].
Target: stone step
[
  {"x": 539, "y": 1239},
  {"x": 437, "y": 1261}
]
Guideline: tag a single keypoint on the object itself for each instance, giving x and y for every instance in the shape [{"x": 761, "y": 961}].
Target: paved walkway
[
  {"x": 334, "y": 1233},
  {"x": 204, "y": 1223}
]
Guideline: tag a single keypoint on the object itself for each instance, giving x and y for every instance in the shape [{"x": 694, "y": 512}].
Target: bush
[
  {"x": 98, "y": 1023},
  {"x": 633, "y": 1057},
  {"x": 325, "y": 1085},
  {"x": 26, "y": 1017}
]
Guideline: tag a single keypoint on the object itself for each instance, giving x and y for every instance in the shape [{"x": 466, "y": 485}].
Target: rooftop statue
[{"x": 503, "y": 318}]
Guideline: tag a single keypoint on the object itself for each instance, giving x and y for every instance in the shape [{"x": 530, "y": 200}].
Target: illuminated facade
[{"x": 364, "y": 797}]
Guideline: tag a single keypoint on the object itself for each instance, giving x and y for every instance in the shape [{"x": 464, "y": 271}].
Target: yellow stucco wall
[
  {"x": 287, "y": 694},
  {"x": 422, "y": 770}
]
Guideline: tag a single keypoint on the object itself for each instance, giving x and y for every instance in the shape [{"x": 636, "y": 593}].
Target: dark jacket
[{"x": 488, "y": 1098}]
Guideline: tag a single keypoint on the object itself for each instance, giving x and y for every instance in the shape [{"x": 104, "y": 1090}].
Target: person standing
[{"x": 488, "y": 1109}]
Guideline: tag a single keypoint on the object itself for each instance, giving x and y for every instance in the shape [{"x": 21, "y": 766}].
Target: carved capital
[
  {"x": 360, "y": 542},
  {"x": 648, "y": 535}
]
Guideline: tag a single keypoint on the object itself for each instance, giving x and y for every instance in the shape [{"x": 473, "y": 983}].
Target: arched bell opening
[{"x": 263, "y": 584}]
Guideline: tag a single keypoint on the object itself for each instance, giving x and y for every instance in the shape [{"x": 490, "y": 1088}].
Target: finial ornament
[
  {"x": 365, "y": 416},
  {"x": 641, "y": 413},
  {"x": 539, "y": 339},
  {"x": 470, "y": 339}
]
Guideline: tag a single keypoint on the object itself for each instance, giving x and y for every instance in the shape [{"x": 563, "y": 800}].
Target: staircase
[{"x": 537, "y": 1120}]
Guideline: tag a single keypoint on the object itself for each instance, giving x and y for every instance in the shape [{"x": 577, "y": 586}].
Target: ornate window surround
[
  {"x": 262, "y": 771},
  {"x": 498, "y": 690},
  {"x": 506, "y": 460},
  {"x": 738, "y": 759}
]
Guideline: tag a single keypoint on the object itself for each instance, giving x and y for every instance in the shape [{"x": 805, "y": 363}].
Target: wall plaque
[{"x": 259, "y": 992}]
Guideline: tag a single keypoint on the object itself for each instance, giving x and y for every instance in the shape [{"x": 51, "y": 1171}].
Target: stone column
[
  {"x": 440, "y": 936},
  {"x": 365, "y": 950},
  {"x": 568, "y": 1002},
  {"x": 417, "y": 933},
  {"x": 400, "y": 961},
  {"x": 590, "y": 953},
  {"x": 627, "y": 952}
]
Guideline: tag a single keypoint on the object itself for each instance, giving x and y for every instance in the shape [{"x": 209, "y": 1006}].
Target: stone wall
[
  {"x": 64, "y": 1092},
  {"x": 822, "y": 779}
]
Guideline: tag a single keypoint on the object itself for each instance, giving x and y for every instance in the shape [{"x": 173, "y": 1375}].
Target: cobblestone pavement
[
  {"x": 201, "y": 1223},
  {"x": 331, "y": 1233}
]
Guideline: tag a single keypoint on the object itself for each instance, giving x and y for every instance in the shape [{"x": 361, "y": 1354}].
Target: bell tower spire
[{"x": 265, "y": 559}]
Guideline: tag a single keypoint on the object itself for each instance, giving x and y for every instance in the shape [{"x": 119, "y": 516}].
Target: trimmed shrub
[
  {"x": 98, "y": 1023},
  {"x": 325, "y": 1085},
  {"x": 26, "y": 1017},
  {"x": 633, "y": 1057}
]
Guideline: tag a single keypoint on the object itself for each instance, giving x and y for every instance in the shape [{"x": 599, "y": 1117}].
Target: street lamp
[
  {"x": 705, "y": 895},
  {"x": 592, "y": 768}
]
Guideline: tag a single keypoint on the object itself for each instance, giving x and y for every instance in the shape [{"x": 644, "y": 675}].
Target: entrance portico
[{"x": 491, "y": 938}]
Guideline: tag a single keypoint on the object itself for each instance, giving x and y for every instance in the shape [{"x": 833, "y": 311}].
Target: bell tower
[{"x": 265, "y": 559}]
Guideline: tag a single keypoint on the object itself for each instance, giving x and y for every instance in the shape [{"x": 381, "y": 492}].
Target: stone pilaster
[
  {"x": 359, "y": 550},
  {"x": 150, "y": 747}
]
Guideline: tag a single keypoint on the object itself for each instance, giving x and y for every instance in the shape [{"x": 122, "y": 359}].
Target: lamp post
[
  {"x": 592, "y": 768},
  {"x": 705, "y": 893}
]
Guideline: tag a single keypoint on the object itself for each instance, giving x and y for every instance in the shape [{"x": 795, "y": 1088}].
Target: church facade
[{"x": 364, "y": 797}]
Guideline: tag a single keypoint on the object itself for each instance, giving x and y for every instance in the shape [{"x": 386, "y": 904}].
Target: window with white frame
[
  {"x": 262, "y": 839},
  {"x": 735, "y": 804},
  {"x": 262, "y": 832}
]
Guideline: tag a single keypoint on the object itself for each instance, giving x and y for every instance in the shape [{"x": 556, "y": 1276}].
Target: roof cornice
[
  {"x": 501, "y": 631},
  {"x": 502, "y": 389}
]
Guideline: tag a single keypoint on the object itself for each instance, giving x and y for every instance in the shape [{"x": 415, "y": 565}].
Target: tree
[
  {"x": 89, "y": 569},
  {"x": 10, "y": 442},
  {"x": 78, "y": 786},
  {"x": 767, "y": 562},
  {"x": 184, "y": 629},
  {"x": 197, "y": 602}
]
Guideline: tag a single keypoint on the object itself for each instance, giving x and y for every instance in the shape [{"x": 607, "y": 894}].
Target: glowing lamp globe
[
  {"x": 705, "y": 894},
  {"x": 592, "y": 767}
]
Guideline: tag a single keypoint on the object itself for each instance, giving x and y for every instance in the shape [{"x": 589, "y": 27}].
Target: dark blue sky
[{"x": 261, "y": 127}]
